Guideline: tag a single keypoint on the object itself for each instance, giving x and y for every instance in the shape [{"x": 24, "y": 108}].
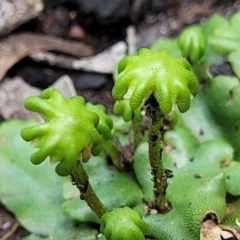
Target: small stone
[
  {"x": 153, "y": 211},
  {"x": 90, "y": 81},
  {"x": 76, "y": 32},
  {"x": 5, "y": 225},
  {"x": 14, "y": 91}
]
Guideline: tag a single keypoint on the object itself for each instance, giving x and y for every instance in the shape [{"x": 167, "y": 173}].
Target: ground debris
[
  {"x": 16, "y": 12},
  {"x": 17, "y": 46},
  {"x": 210, "y": 230}
]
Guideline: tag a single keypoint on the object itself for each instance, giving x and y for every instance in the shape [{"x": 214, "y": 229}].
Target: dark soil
[
  {"x": 9, "y": 226},
  {"x": 60, "y": 18}
]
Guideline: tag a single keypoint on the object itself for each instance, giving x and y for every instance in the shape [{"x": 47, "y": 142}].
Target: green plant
[
  {"x": 192, "y": 43},
  {"x": 191, "y": 153},
  {"x": 87, "y": 127},
  {"x": 65, "y": 135},
  {"x": 123, "y": 223}
]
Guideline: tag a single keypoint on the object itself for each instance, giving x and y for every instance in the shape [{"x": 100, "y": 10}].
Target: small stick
[{"x": 10, "y": 232}]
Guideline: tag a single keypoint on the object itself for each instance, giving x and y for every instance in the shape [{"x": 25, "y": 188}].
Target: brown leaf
[{"x": 210, "y": 230}]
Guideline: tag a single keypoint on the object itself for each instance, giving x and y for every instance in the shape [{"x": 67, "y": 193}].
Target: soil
[{"x": 60, "y": 20}]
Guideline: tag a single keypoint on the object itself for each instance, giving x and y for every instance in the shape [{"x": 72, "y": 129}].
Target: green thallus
[{"x": 74, "y": 130}]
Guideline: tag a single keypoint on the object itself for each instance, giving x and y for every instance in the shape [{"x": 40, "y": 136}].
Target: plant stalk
[
  {"x": 80, "y": 179},
  {"x": 155, "y": 153}
]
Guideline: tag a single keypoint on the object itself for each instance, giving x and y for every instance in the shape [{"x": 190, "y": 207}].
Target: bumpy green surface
[
  {"x": 105, "y": 124},
  {"x": 220, "y": 37},
  {"x": 123, "y": 108},
  {"x": 68, "y": 130},
  {"x": 223, "y": 98},
  {"x": 169, "y": 79},
  {"x": 183, "y": 222},
  {"x": 33, "y": 193},
  {"x": 192, "y": 43},
  {"x": 122, "y": 224}
]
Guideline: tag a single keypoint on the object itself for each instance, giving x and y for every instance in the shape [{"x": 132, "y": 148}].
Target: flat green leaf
[
  {"x": 141, "y": 165},
  {"x": 222, "y": 98},
  {"x": 189, "y": 207},
  {"x": 79, "y": 232},
  {"x": 214, "y": 22},
  {"x": 166, "y": 43},
  {"x": 234, "y": 59}
]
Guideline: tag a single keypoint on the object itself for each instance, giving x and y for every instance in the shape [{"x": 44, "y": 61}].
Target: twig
[
  {"x": 10, "y": 232},
  {"x": 103, "y": 62},
  {"x": 18, "y": 46}
]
